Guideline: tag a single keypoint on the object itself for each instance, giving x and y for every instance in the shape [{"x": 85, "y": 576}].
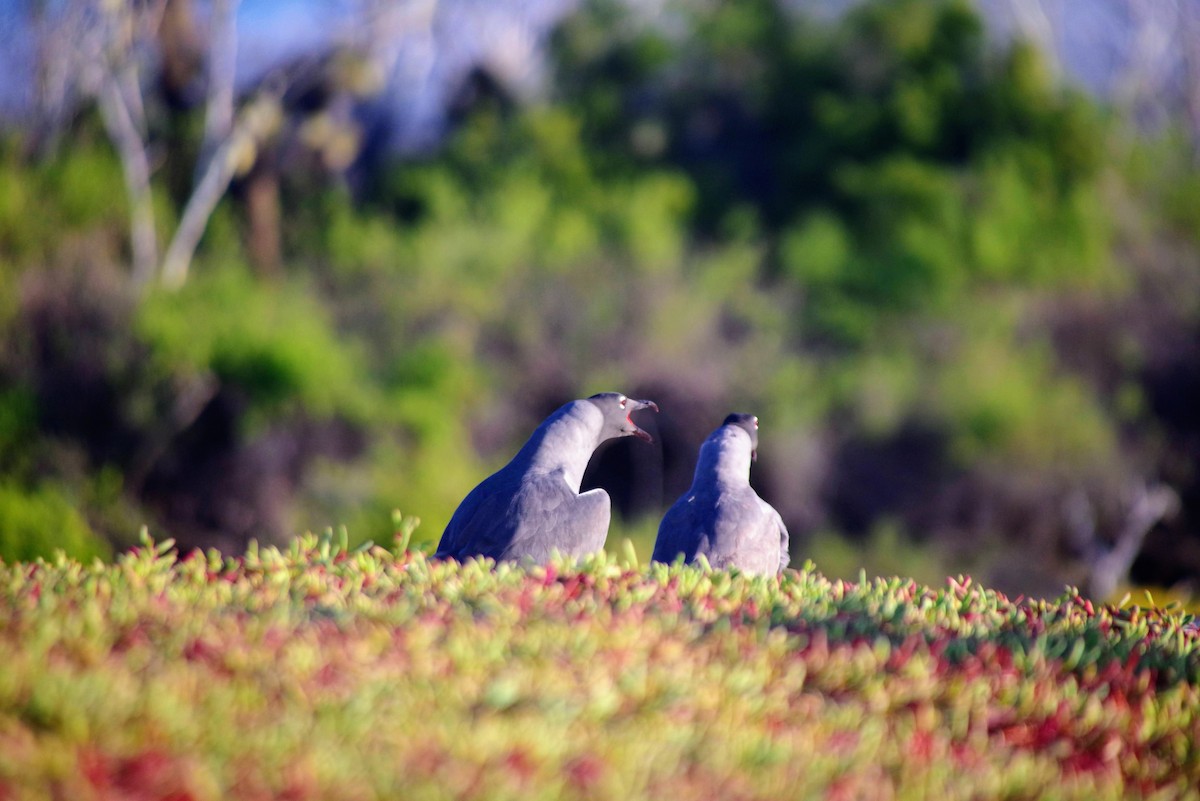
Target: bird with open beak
[{"x": 532, "y": 506}]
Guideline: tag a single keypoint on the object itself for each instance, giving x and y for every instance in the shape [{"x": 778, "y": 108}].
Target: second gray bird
[
  {"x": 721, "y": 516},
  {"x": 533, "y": 505}
]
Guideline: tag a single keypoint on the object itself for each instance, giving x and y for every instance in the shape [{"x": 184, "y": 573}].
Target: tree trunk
[
  {"x": 180, "y": 49},
  {"x": 135, "y": 166},
  {"x": 264, "y": 218}
]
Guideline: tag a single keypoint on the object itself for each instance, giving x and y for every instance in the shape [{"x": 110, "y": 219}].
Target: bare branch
[
  {"x": 386, "y": 28},
  {"x": 258, "y": 121},
  {"x": 135, "y": 166},
  {"x": 1189, "y": 25},
  {"x": 222, "y": 68},
  {"x": 1110, "y": 566},
  {"x": 1036, "y": 26},
  {"x": 71, "y": 57}
]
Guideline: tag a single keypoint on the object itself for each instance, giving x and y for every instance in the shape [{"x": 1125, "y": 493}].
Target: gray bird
[
  {"x": 721, "y": 516},
  {"x": 533, "y": 505}
]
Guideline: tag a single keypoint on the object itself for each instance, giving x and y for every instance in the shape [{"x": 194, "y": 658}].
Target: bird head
[
  {"x": 617, "y": 410},
  {"x": 748, "y": 423}
]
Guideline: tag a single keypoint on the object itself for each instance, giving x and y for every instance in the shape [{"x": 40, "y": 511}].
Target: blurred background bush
[{"x": 268, "y": 267}]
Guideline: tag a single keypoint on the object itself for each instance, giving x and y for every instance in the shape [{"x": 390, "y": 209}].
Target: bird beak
[
  {"x": 754, "y": 455},
  {"x": 635, "y": 405}
]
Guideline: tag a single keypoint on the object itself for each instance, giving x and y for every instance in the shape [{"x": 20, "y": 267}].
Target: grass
[{"x": 323, "y": 673}]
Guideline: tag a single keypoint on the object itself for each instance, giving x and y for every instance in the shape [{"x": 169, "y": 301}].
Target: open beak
[{"x": 633, "y": 406}]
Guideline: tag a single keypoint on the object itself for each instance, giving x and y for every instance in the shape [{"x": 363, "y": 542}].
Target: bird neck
[
  {"x": 724, "y": 460},
  {"x": 564, "y": 442}
]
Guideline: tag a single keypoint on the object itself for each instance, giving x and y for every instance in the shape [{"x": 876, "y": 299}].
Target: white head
[{"x": 617, "y": 410}]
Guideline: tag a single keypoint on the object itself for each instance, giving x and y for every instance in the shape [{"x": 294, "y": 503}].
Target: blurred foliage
[
  {"x": 37, "y": 522},
  {"x": 274, "y": 343},
  {"x": 1007, "y": 403},
  {"x": 854, "y": 228},
  {"x": 43, "y": 201},
  {"x": 885, "y": 552},
  {"x": 898, "y": 173}
]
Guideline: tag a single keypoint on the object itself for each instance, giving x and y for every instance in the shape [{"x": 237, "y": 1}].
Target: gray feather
[
  {"x": 721, "y": 516},
  {"x": 533, "y": 506}
]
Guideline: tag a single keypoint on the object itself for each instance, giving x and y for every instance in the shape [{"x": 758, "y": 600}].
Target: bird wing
[
  {"x": 737, "y": 531},
  {"x": 680, "y": 530},
  {"x": 777, "y": 529},
  {"x": 709, "y": 523},
  {"x": 745, "y": 533},
  {"x": 550, "y": 515},
  {"x": 482, "y": 525},
  {"x": 526, "y": 517}
]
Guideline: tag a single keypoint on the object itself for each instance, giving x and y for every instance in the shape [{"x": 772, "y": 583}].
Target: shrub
[
  {"x": 318, "y": 672},
  {"x": 40, "y": 521}
]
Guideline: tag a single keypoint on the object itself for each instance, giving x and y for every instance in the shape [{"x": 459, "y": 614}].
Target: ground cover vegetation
[
  {"x": 324, "y": 672},
  {"x": 962, "y": 298}
]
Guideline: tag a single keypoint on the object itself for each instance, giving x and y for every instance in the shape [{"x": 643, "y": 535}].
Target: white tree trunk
[
  {"x": 135, "y": 165},
  {"x": 222, "y": 69}
]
